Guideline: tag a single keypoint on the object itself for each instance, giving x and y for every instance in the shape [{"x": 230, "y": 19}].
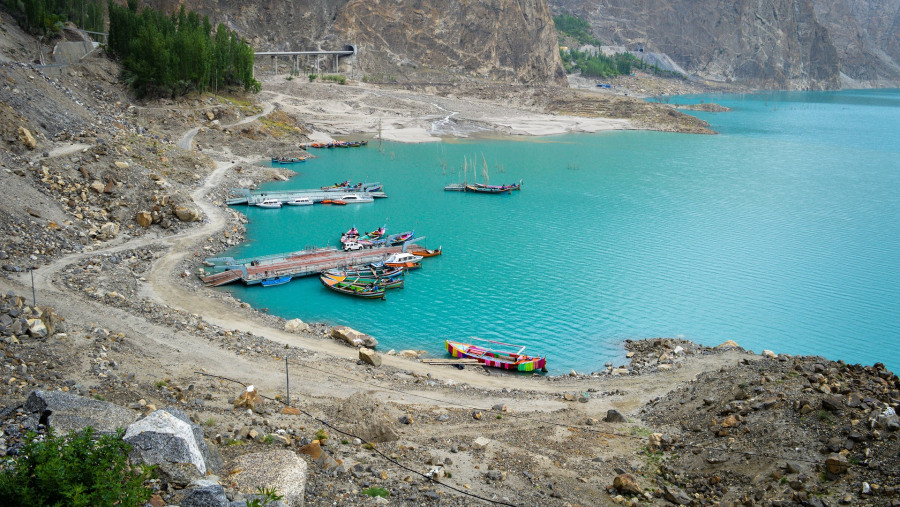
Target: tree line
[
  {"x": 172, "y": 55},
  {"x": 46, "y": 17},
  {"x": 161, "y": 55}
]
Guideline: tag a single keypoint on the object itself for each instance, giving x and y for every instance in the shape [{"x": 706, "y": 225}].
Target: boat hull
[
  {"x": 494, "y": 359},
  {"x": 352, "y": 290}
]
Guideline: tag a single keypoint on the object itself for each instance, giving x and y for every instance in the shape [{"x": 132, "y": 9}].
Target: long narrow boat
[
  {"x": 369, "y": 271},
  {"x": 288, "y": 160},
  {"x": 426, "y": 252},
  {"x": 374, "y": 292},
  {"x": 269, "y": 282},
  {"x": 505, "y": 358},
  {"x": 367, "y": 282},
  {"x": 493, "y": 189}
]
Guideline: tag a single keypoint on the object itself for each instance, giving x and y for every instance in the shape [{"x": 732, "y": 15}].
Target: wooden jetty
[
  {"x": 251, "y": 197},
  {"x": 254, "y": 270}
]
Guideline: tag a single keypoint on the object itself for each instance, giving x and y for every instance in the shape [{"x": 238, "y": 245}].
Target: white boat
[
  {"x": 351, "y": 198},
  {"x": 299, "y": 201},
  {"x": 403, "y": 260},
  {"x": 269, "y": 203}
]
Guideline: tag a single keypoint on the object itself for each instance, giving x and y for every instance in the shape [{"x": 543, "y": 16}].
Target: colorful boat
[
  {"x": 497, "y": 357},
  {"x": 369, "y": 271},
  {"x": 426, "y": 252},
  {"x": 399, "y": 239},
  {"x": 269, "y": 282},
  {"x": 374, "y": 292},
  {"x": 395, "y": 282}
]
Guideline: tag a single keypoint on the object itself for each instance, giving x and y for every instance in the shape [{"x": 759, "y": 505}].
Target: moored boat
[
  {"x": 493, "y": 189},
  {"x": 354, "y": 198},
  {"x": 373, "y": 292},
  {"x": 393, "y": 282},
  {"x": 427, "y": 253},
  {"x": 269, "y": 203},
  {"x": 368, "y": 271},
  {"x": 299, "y": 201},
  {"x": 507, "y": 356},
  {"x": 269, "y": 282},
  {"x": 403, "y": 260},
  {"x": 288, "y": 160}
]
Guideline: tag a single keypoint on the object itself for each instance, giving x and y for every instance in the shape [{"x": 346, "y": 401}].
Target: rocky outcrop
[
  {"x": 66, "y": 412},
  {"x": 500, "y": 39},
  {"x": 770, "y": 43},
  {"x": 403, "y": 40}
]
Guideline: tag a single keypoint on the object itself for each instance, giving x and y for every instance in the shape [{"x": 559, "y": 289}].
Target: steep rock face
[
  {"x": 764, "y": 43},
  {"x": 867, "y": 36},
  {"x": 514, "y": 40},
  {"x": 404, "y": 40}
]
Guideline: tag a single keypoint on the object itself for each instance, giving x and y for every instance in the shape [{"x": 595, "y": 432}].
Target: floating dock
[
  {"x": 251, "y": 271},
  {"x": 251, "y": 197}
]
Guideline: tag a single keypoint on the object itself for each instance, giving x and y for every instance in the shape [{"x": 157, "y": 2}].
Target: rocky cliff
[
  {"x": 766, "y": 43},
  {"x": 404, "y": 40},
  {"x": 797, "y": 44}
]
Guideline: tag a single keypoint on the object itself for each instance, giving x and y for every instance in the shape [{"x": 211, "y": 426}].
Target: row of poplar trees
[
  {"x": 172, "y": 55},
  {"x": 162, "y": 56}
]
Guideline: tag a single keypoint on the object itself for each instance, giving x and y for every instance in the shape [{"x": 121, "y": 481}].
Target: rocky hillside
[
  {"x": 404, "y": 40},
  {"x": 794, "y": 44}
]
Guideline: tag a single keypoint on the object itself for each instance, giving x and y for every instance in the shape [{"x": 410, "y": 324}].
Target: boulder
[
  {"x": 27, "y": 139},
  {"x": 837, "y": 464},
  {"x": 280, "y": 470},
  {"x": 37, "y": 328},
  {"x": 144, "y": 218},
  {"x": 187, "y": 213},
  {"x": 66, "y": 412},
  {"x": 369, "y": 356},
  {"x": 109, "y": 230},
  {"x": 728, "y": 344},
  {"x": 626, "y": 483},
  {"x": 164, "y": 438},
  {"x": 121, "y": 165},
  {"x": 296, "y": 326},
  {"x": 98, "y": 187},
  {"x": 204, "y": 493},
  {"x": 353, "y": 337},
  {"x": 480, "y": 443},
  {"x": 614, "y": 416},
  {"x": 251, "y": 399}
]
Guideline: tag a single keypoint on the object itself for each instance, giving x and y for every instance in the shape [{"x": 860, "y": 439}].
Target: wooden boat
[
  {"x": 426, "y": 252},
  {"x": 338, "y": 186},
  {"x": 287, "y": 160},
  {"x": 269, "y": 203},
  {"x": 399, "y": 239},
  {"x": 367, "y": 271},
  {"x": 269, "y": 282},
  {"x": 395, "y": 282},
  {"x": 507, "y": 357},
  {"x": 493, "y": 189},
  {"x": 374, "y": 292},
  {"x": 299, "y": 201}
]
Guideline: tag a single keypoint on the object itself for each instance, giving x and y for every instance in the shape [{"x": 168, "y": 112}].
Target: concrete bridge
[{"x": 293, "y": 57}]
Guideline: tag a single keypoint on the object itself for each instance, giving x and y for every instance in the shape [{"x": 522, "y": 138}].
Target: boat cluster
[
  {"x": 335, "y": 144},
  {"x": 371, "y": 281}
]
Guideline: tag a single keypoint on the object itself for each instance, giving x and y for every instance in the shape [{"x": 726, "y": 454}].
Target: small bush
[
  {"x": 321, "y": 435},
  {"x": 312, "y": 77},
  {"x": 289, "y": 78},
  {"x": 78, "y": 469},
  {"x": 376, "y": 491},
  {"x": 269, "y": 495}
]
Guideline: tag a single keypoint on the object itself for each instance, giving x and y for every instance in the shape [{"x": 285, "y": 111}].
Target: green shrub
[
  {"x": 335, "y": 78},
  {"x": 312, "y": 77},
  {"x": 269, "y": 495},
  {"x": 78, "y": 469},
  {"x": 376, "y": 491}
]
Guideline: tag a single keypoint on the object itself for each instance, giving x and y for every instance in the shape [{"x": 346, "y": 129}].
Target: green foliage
[
  {"x": 335, "y": 78},
  {"x": 48, "y": 16},
  {"x": 376, "y": 491},
  {"x": 312, "y": 77},
  {"x": 269, "y": 495},
  {"x": 608, "y": 66},
  {"x": 268, "y": 439},
  {"x": 321, "y": 435},
  {"x": 78, "y": 469},
  {"x": 173, "y": 55},
  {"x": 576, "y": 28}
]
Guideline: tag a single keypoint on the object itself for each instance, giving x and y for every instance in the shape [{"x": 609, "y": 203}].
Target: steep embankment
[
  {"x": 770, "y": 43},
  {"x": 404, "y": 40}
]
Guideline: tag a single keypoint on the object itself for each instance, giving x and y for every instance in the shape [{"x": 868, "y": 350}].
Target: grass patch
[
  {"x": 233, "y": 443},
  {"x": 376, "y": 491}
]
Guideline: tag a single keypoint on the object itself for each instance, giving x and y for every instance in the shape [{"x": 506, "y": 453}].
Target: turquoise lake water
[{"x": 782, "y": 232}]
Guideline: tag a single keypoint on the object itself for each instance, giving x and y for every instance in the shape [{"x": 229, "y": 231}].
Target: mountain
[
  {"x": 792, "y": 44},
  {"x": 404, "y": 40}
]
